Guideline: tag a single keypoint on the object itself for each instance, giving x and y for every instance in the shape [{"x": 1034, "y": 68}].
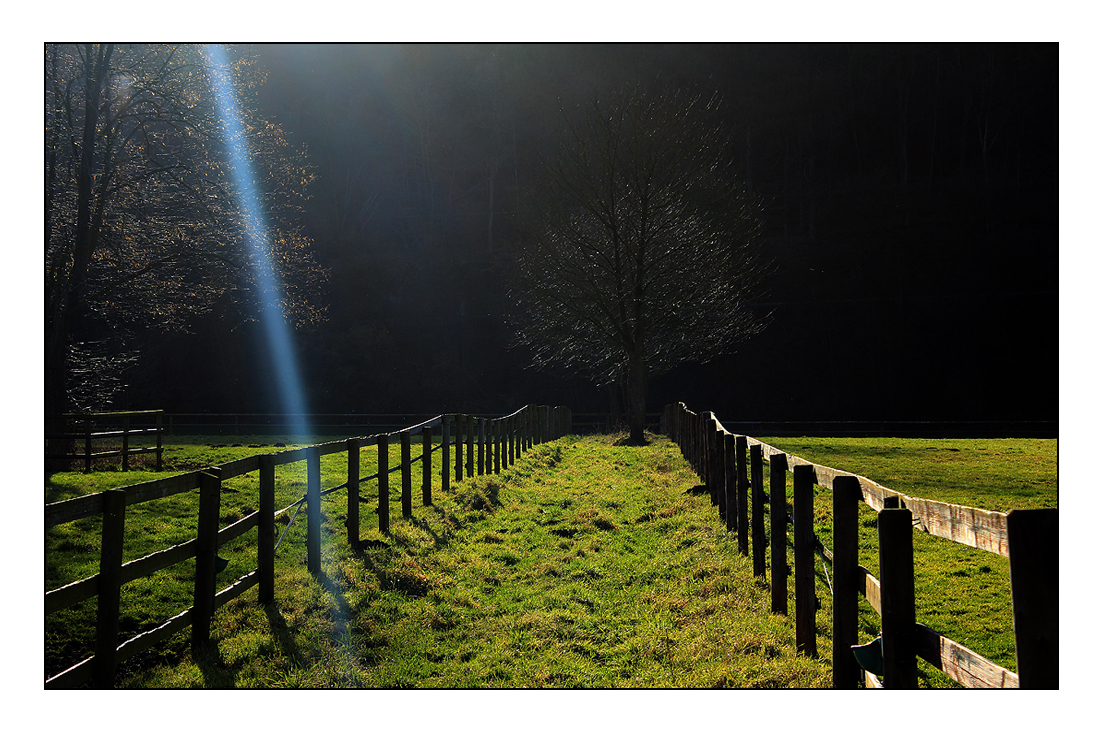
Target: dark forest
[{"x": 910, "y": 214}]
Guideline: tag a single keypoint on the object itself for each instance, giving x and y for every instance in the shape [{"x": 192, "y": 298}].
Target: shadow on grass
[
  {"x": 284, "y": 637},
  {"x": 626, "y": 442}
]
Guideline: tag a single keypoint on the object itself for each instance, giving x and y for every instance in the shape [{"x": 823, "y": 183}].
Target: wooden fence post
[
  {"x": 460, "y": 422},
  {"x": 500, "y": 460},
  {"x": 778, "y": 493},
  {"x": 895, "y": 548},
  {"x": 846, "y": 498},
  {"x": 742, "y": 497},
  {"x": 426, "y": 459},
  {"x": 712, "y": 464},
  {"x": 210, "y": 488},
  {"x": 511, "y": 430},
  {"x": 1033, "y": 564},
  {"x": 352, "y": 522},
  {"x": 384, "y": 483},
  {"x": 406, "y": 475},
  {"x": 470, "y": 445},
  {"x": 110, "y": 587},
  {"x": 703, "y": 469},
  {"x": 805, "y": 593},
  {"x": 696, "y": 443},
  {"x": 265, "y": 549},
  {"x": 729, "y": 447},
  {"x": 720, "y": 474},
  {"x": 481, "y": 446},
  {"x": 758, "y": 529},
  {"x": 445, "y": 444},
  {"x": 313, "y": 509}
]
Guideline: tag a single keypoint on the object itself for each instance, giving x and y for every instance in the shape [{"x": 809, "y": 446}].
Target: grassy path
[{"x": 588, "y": 564}]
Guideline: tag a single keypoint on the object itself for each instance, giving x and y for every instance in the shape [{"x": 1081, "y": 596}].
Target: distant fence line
[
  {"x": 481, "y": 446},
  {"x": 89, "y": 430},
  {"x": 1029, "y": 538}
]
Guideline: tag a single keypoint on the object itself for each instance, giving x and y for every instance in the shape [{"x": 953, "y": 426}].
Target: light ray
[{"x": 276, "y": 328}]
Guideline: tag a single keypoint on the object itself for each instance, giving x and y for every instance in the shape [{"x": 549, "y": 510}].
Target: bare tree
[{"x": 646, "y": 256}]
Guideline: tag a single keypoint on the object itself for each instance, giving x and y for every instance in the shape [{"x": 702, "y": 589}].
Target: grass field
[
  {"x": 961, "y": 592},
  {"x": 588, "y": 564}
]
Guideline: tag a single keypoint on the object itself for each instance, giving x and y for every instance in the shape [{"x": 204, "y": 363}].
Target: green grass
[
  {"x": 588, "y": 564},
  {"x": 961, "y": 592}
]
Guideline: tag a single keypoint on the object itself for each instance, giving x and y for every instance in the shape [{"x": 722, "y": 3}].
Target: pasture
[{"x": 587, "y": 564}]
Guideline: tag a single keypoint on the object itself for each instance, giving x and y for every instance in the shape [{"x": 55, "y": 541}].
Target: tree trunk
[
  {"x": 637, "y": 379},
  {"x": 66, "y": 298}
]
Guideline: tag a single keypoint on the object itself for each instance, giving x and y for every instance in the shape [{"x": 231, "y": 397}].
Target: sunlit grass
[
  {"x": 962, "y": 592},
  {"x": 588, "y": 564}
]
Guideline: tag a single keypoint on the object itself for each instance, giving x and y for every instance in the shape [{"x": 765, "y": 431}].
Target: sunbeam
[{"x": 275, "y": 324}]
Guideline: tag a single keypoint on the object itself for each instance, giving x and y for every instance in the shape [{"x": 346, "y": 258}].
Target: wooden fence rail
[
  {"x": 1028, "y": 538},
  {"x": 499, "y": 443},
  {"x": 93, "y": 428}
]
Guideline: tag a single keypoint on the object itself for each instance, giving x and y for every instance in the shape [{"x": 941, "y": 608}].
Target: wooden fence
[
  {"x": 1028, "y": 538},
  {"x": 480, "y": 445},
  {"x": 88, "y": 429}
]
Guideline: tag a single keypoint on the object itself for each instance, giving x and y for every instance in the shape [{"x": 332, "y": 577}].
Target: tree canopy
[
  {"x": 143, "y": 228},
  {"x": 646, "y": 256}
]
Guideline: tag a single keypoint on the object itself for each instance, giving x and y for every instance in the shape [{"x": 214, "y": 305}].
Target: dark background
[{"x": 910, "y": 207}]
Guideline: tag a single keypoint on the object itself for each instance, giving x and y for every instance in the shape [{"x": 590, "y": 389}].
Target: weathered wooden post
[
  {"x": 1033, "y": 565},
  {"x": 470, "y": 431},
  {"x": 497, "y": 441},
  {"x": 109, "y": 590},
  {"x": 445, "y": 445},
  {"x": 352, "y": 522},
  {"x": 759, "y": 531},
  {"x": 481, "y": 446},
  {"x": 710, "y": 446},
  {"x": 511, "y": 429},
  {"x": 313, "y": 509},
  {"x": 384, "y": 483},
  {"x": 729, "y": 448},
  {"x": 406, "y": 475},
  {"x": 805, "y": 593},
  {"x": 846, "y": 497},
  {"x": 206, "y": 551},
  {"x": 721, "y": 473},
  {"x": 777, "y": 468},
  {"x": 895, "y": 547},
  {"x": 265, "y": 548},
  {"x": 459, "y": 423},
  {"x": 426, "y": 459},
  {"x": 742, "y": 496}
]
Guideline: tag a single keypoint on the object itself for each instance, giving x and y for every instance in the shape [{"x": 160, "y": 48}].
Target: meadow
[
  {"x": 961, "y": 592},
  {"x": 588, "y": 564}
]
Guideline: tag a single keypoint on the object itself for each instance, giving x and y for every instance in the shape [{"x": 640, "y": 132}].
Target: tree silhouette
[
  {"x": 646, "y": 254},
  {"x": 143, "y": 228}
]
